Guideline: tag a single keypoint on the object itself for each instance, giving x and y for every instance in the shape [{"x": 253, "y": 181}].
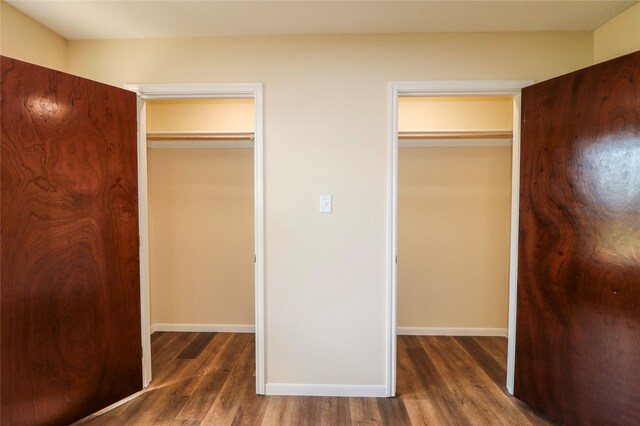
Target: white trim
[
  {"x": 201, "y": 144},
  {"x": 450, "y": 331},
  {"x": 189, "y": 90},
  {"x": 459, "y": 87},
  {"x": 392, "y": 242},
  {"x": 513, "y": 251},
  {"x": 143, "y": 223},
  {"x": 223, "y": 90},
  {"x": 453, "y": 143},
  {"x": 296, "y": 389},
  {"x": 258, "y": 155},
  {"x": 440, "y": 88},
  {"x": 205, "y": 328}
]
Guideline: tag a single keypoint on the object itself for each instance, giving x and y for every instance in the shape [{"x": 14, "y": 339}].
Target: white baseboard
[
  {"x": 299, "y": 389},
  {"x": 220, "y": 328},
  {"x": 450, "y": 331}
]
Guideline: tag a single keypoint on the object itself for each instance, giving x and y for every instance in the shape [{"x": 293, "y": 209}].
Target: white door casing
[
  {"x": 447, "y": 88},
  {"x": 208, "y": 90}
]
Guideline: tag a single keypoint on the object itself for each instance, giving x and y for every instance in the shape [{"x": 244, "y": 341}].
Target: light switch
[{"x": 325, "y": 204}]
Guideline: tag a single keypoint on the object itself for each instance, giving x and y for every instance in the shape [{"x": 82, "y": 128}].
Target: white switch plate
[{"x": 325, "y": 204}]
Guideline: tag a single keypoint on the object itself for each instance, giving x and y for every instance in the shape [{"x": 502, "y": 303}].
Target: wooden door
[
  {"x": 70, "y": 332},
  {"x": 578, "y": 310}
]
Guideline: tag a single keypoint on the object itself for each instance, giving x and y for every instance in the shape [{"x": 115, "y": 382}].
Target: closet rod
[
  {"x": 455, "y": 134},
  {"x": 198, "y": 136}
]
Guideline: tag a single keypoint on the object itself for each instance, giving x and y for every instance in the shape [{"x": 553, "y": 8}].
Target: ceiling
[{"x": 102, "y": 19}]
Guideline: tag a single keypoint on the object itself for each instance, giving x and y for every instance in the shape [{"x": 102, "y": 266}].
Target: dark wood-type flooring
[{"x": 208, "y": 378}]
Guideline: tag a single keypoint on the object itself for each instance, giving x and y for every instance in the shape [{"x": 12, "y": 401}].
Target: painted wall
[
  {"x": 455, "y": 113},
  {"x": 201, "y": 217},
  {"x": 326, "y": 104},
  {"x": 23, "y": 38},
  {"x": 619, "y": 36},
  {"x": 453, "y": 237},
  {"x": 206, "y": 115},
  {"x": 454, "y": 206}
]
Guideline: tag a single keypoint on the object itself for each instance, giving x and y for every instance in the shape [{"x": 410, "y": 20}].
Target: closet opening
[
  {"x": 200, "y": 163},
  {"x": 454, "y": 198},
  {"x": 201, "y": 186},
  {"x": 454, "y": 207},
  {"x": 452, "y": 247}
]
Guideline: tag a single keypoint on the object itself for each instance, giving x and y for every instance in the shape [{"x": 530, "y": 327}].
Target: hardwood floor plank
[
  {"x": 495, "y": 346},
  {"x": 196, "y": 346},
  {"x": 253, "y": 407},
  {"x": 301, "y": 410},
  {"x": 314, "y": 407},
  {"x": 489, "y": 364},
  {"x": 408, "y": 385},
  {"x": 393, "y": 411},
  {"x": 434, "y": 387},
  {"x": 167, "y": 348},
  {"x": 364, "y": 410},
  {"x": 226, "y": 405},
  {"x": 278, "y": 411},
  {"x": 440, "y": 381},
  {"x": 154, "y": 336},
  {"x": 335, "y": 411},
  {"x": 481, "y": 400},
  {"x": 425, "y": 412},
  {"x": 203, "y": 365},
  {"x": 207, "y": 391}
]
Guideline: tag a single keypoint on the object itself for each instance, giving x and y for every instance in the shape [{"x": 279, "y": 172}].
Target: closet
[
  {"x": 201, "y": 214},
  {"x": 454, "y": 195}
]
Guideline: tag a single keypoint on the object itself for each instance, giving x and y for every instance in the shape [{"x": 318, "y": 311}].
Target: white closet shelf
[
  {"x": 196, "y": 139},
  {"x": 454, "y": 138},
  {"x": 456, "y": 134},
  {"x": 197, "y": 136}
]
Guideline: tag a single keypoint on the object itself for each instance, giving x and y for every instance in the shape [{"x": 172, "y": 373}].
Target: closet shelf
[
  {"x": 455, "y": 134},
  {"x": 200, "y": 136},
  {"x": 200, "y": 139},
  {"x": 454, "y": 138}
]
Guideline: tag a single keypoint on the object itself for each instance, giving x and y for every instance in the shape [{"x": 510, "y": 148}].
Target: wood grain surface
[
  {"x": 578, "y": 312},
  {"x": 70, "y": 332},
  {"x": 441, "y": 381}
]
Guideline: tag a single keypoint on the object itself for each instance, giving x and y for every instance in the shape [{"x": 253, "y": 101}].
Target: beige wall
[
  {"x": 453, "y": 237},
  {"x": 326, "y": 125},
  {"x": 454, "y": 217},
  {"x": 619, "y": 36},
  {"x": 23, "y": 38},
  {"x": 201, "y": 217},
  {"x": 201, "y": 236},
  {"x": 206, "y": 115},
  {"x": 455, "y": 113}
]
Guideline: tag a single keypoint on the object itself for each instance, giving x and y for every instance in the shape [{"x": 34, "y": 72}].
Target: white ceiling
[{"x": 102, "y": 19}]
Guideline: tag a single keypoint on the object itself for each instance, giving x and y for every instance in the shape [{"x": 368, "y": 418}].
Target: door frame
[
  {"x": 190, "y": 91},
  {"x": 447, "y": 88}
]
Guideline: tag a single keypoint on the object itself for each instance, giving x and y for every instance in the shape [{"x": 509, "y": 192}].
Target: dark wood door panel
[
  {"x": 70, "y": 342},
  {"x": 578, "y": 311}
]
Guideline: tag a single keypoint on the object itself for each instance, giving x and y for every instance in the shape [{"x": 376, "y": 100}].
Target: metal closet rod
[
  {"x": 199, "y": 136},
  {"x": 455, "y": 134}
]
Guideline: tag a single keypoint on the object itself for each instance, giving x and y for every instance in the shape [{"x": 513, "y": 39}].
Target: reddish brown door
[
  {"x": 578, "y": 321},
  {"x": 70, "y": 332}
]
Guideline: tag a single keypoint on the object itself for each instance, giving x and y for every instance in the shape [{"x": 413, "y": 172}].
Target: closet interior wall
[
  {"x": 201, "y": 217},
  {"x": 454, "y": 200}
]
